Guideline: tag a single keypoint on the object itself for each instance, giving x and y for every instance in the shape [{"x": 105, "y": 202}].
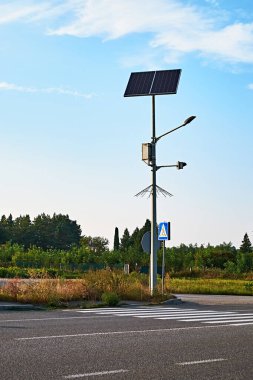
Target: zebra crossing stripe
[
  {"x": 165, "y": 312},
  {"x": 135, "y": 312},
  {"x": 242, "y": 324},
  {"x": 154, "y": 313},
  {"x": 219, "y": 316},
  {"x": 233, "y": 320},
  {"x": 196, "y": 317},
  {"x": 177, "y": 316},
  {"x": 125, "y": 310}
]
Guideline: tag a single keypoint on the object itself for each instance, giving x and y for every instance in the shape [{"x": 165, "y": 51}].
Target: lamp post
[
  {"x": 151, "y": 83},
  {"x": 154, "y": 168},
  {"x": 153, "y": 253}
]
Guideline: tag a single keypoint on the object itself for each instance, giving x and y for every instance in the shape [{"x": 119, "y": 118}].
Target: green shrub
[
  {"x": 249, "y": 286},
  {"x": 13, "y": 272},
  {"x": 110, "y": 298}
]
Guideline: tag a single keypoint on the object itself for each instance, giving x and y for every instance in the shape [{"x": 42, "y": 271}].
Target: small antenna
[{"x": 148, "y": 190}]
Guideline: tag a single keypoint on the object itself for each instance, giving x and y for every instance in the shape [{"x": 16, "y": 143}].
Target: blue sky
[{"x": 71, "y": 143}]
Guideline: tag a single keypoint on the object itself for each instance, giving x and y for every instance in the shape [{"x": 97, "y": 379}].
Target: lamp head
[{"x": 189, "y": 120}]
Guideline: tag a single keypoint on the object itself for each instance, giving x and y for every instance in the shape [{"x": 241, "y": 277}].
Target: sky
[{"x": 71, "y": 142}]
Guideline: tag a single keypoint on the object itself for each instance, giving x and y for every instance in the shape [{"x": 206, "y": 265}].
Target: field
[{"x": 211, "y": 286}]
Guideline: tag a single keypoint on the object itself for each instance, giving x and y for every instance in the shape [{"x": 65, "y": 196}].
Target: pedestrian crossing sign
[{"x": 164, "y": 231}]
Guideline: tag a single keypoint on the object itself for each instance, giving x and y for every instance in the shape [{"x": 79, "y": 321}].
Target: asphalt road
[{"x": 192, "y": 341}]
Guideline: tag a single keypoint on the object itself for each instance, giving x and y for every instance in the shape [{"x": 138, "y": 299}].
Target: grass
[
  {"x": 90, "y": 289},
  {"x": 211, "y": 286}
]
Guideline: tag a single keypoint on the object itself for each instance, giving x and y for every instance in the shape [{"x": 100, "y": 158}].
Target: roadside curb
[
  {"x": 173, "y": 301},
  {"x": 17, "y": 306},
  {"x": 7, "y": 306}
]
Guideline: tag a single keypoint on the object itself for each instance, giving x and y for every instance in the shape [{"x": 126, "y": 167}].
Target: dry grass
[
  {"x": 90, "y": 288},
  {"x": 43, "y": 291},
  {"x": 127, "y": 287}
]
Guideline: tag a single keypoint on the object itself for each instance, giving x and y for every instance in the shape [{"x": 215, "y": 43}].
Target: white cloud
[
  {"x": 112, "y": 19},
  {"x": 173, "y": 27},
  {"x": 31, "y": 11},
  {"x": 250, "y": 86},
  {"x": 19, "y": 11},
  {"x": 232, "y": 44},
  {"x": 6, "y": 86}
]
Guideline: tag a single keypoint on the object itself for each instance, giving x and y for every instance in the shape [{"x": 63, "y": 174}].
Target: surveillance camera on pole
[{"x": 181, "y": 165}]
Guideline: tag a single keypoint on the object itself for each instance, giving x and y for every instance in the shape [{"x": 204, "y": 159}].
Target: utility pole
[{"x": 153, "y": 256}]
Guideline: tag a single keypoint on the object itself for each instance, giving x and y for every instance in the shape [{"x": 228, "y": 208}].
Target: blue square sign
[{"x": 164, "y": 231}]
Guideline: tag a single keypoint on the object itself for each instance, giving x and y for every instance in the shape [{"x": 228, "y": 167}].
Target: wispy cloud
[
  {"x": 250, "y": 86},
  {"x": 175, "y": 28},
  {"x": 20, "y": 10},
  {"x": 6, "y": 86}
]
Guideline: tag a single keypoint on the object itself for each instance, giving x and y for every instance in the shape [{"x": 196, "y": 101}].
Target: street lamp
[
  {"x": 152, "y": 163},
  {"x": 152, "y": 83},
  {"x": 187, "y": 121}
]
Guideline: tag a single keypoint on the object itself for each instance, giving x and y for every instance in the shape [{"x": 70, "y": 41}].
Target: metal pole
[
  {"x": 163, "y": 267},
  {"x": 153, "y": 256}
]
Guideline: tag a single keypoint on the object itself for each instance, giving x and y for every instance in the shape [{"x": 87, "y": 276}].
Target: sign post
[{"x": 163, "y": 234}]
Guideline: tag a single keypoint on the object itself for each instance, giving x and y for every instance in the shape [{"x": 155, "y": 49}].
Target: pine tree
[
  {"x": 116, "y": 239},
  {"x": 246, "y": 246}
]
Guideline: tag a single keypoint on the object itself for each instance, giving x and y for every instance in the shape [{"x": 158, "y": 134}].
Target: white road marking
[
  {"x": 233, "y": 320},
  {"x": 95, "y": 374},
  {"x": 242, "y": 324},
  {"x": 149, "y": 312},
  {"x": 127, "y": 310},
  {"x": 120, "y": 332},
  {"x": 221, "y": 317},
  {"x": 202, "y": 361},
  {"x": 183, "y": 315}
]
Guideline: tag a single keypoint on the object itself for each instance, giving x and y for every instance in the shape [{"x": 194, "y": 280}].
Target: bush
[
  {"x": 13, "y": 272},
  {"x": 110, "y": 298}
]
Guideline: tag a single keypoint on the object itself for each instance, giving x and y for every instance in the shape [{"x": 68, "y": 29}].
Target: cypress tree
[{"x": 116, "y": 239}]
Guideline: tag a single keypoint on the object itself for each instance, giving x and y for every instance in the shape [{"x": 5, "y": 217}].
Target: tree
[
  {"x": 246, "y": 246},
  {"x": 66, "y": 232},
  {"x": 3, "y": 230},
  {"x": 116, "y": 239},
  {"x": 125, "y": 241},
  {"x": 58, "y": 232},
  {"x": 244, "y": 256},
  {"x": 22, "y": 231},
  {"x": 6, "y": 225},
  {"x": 97, "y": 244}
]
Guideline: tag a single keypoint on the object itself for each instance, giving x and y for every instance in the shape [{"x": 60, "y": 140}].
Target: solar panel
[
  {"x": 153, "y": 83},
  {"x": 139, "y": 83}
]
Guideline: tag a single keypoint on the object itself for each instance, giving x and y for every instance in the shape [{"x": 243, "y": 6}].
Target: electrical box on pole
[{"x": 147, "y": 153}]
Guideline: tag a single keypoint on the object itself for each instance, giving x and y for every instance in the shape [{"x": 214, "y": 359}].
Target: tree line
[
  {"x": 46, "y": 232},
  {"x": 57, "y": 242}
]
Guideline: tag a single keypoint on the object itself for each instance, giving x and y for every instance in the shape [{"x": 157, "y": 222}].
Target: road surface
[{"x": 180, "y": 342}]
